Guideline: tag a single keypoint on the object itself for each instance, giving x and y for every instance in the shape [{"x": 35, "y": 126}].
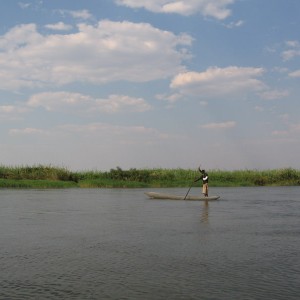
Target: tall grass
[
  {"x": 37, "y": 172},
  {"x": 36, "y": 184},
  {"x": 49, "y": 176},
  {"x": 138, "y": 177},
  {"x": 287, "y": 176},
  {"x": 185, "y": 177}
]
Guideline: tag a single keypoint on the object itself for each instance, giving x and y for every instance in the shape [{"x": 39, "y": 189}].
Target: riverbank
[{"x": 55, "y": 177}]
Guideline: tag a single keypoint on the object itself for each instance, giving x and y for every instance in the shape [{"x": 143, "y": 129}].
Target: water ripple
[{"x": 96, "y": 244}]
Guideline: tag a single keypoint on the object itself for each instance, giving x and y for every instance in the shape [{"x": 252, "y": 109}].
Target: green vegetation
[
  {"x": 35, "y": 184},
  {"x": 137, "y": 178},
  {"x": 52, "y": 177},
  {"x": 278, "y": 177},
  {"x": 36, "y": 177}
]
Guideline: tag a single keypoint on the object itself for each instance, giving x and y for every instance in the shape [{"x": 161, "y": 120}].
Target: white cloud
[
  {"x": 292, "y": 52},
  {"x": 24, "y": 5},
  {"x": 12, "y": 112},
  {"x": 79, "y": 103},
  {"x": 219, "y": 81},
  {"x": 169, "y": 98},
  {"x": 211, "y": 8},
  {"x": 109, "y": 51},
  {"x": 274, "y": 94},
  {"x": 235, "y": 24},
  {"x": 103, "y": 132},
  {"x": 109, "y": 129},
  {"x": 60, "y": 26},
  {"x": 294, "y": 44},
  {"x": 222, "y": 125},
  {"x": 81, "y": 14},
  {"x": 59, "y": 101},
  {"x": 295, "y": 74},
  {"x": 19, "y": 37},
  {"x": 7, "y": 109},
  {"x": 120, "y": 103},
  {"x": 27, "y": 131},
  {"x": 292, "y": 131}
]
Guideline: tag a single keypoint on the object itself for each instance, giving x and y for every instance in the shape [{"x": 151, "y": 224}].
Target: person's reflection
[{"x": 204, "y": 213}]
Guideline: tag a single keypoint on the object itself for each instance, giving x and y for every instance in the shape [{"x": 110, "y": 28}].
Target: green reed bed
[
  {"x": 40, "y": 176},
  {"x": 279, "y": 177},
  {"x": 37, "y": 172},
  {"x": 35, "y": 184},
  {"x": 137, "y": 178}
]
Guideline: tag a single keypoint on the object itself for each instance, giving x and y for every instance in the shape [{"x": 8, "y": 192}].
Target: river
[{"x": 118, "y": 244}]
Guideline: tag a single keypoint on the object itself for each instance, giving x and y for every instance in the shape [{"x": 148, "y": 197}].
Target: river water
[{"x": 117, "y": 244}]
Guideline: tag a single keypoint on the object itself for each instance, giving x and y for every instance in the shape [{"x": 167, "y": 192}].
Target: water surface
[{"x": 117, "y": 244}]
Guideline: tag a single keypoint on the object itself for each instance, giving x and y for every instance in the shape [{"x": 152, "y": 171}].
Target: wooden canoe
[{"x": 154, "y": 195}]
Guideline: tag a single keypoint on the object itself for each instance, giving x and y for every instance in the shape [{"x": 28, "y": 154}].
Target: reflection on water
[
  {"x": 204, "y": 212},
  {"x": 118, "y": 244}
]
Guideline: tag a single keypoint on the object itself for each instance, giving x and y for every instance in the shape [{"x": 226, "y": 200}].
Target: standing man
[{"x": 204, "y": 177}]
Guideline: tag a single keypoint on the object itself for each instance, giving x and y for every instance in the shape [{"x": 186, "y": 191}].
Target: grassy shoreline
[{"x": 43, "y": 177}]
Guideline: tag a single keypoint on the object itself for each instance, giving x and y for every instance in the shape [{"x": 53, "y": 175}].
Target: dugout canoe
[{"x": 154, "y": 195}]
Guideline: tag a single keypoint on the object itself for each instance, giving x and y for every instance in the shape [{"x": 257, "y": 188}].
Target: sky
[{"x": 100, "y": 84}]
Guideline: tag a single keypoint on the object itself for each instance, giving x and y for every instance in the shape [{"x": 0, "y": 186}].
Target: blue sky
[{"x": 92, "y": 85}]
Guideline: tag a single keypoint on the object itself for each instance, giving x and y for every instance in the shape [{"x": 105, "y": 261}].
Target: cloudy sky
[{"x": 92, "y": 85}]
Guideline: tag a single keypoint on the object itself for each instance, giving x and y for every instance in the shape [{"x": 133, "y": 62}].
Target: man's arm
[
  {"x": 201, "y": 171},
  {"x": 197, "y": 179}
]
